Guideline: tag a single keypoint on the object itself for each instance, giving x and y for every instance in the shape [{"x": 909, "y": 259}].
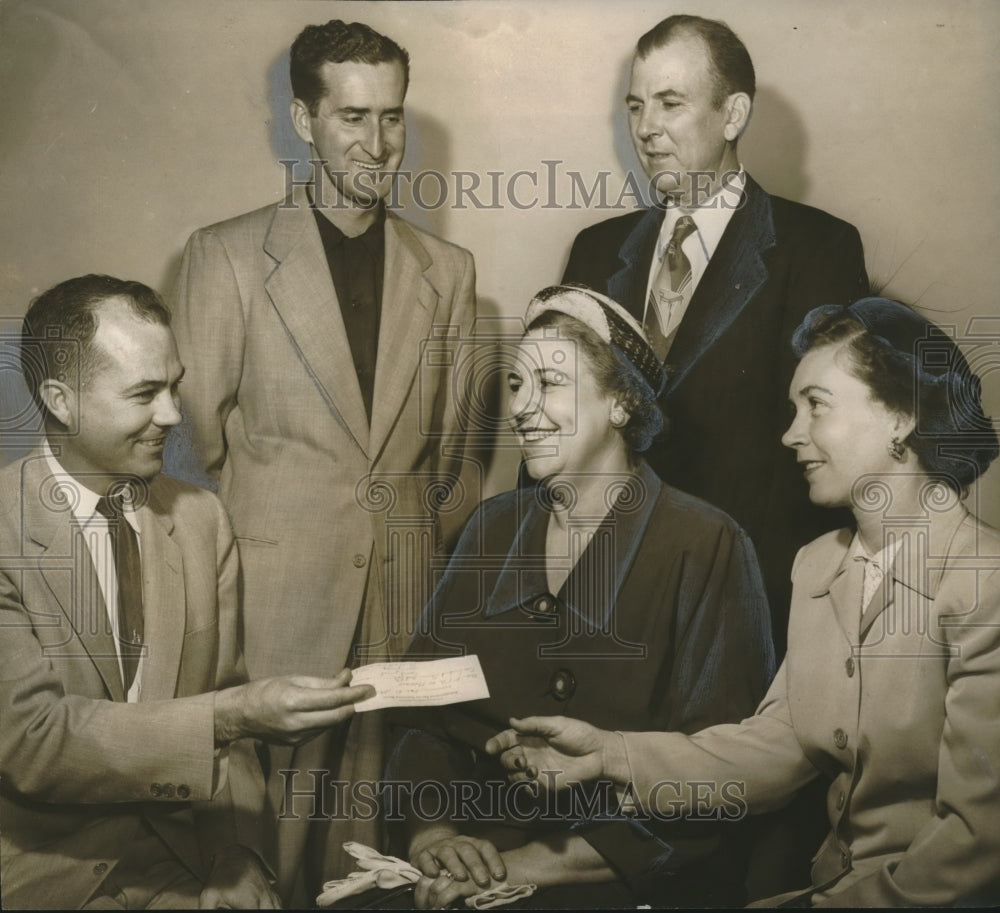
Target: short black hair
[
  {"x": 912, "y": 368},
  {"x": 338, "y": 42},
  {"x": 729, "y": 58},
  {"x": 57, "y": 335}
]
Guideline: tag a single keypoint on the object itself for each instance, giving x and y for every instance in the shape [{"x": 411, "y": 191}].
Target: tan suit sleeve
[
  {"x": 59, "y": 747},
  {"x": 953, "y": 859},
  {"x": 749, "y": 767},
  {"x": 456, "y": 456},
  {"x": 208, "y": 321},
  {"x": 234, "y": 814}
]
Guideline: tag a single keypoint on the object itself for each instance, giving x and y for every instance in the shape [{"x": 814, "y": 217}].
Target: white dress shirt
[
  {"x": 876, "y": 566},
  {"x": 710, "y": 218},
  {"x": 98, "y": 538}
]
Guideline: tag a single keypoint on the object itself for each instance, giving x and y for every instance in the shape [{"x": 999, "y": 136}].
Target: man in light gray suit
[
  {"x": 126, "y": 777},
  {"x": 321, "y": 337}
]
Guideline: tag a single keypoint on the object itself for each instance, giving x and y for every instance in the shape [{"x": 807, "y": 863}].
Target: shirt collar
[
  {"x": 884, "y": 558},
  {"x": 906, "y": 551},
  {"x": 710, "y": 218},
  {"x": 372, "y": 237},
  {"x": 83, "y": 500},
  {"x": 522, "y": 579}
]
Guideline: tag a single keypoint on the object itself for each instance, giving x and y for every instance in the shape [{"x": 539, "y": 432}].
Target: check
[{"x": 422, "y": 684}]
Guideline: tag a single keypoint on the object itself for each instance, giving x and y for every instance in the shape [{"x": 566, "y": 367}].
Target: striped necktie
[
  {"x": 125, "y": 547},
  {"x": 670, "y": 291}
]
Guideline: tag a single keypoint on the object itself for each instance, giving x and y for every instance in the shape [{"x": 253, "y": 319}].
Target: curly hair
[
  {"x": 616, "y": 377},
  {"x": 338, "y": 42},
  {"x": 920, "y": 373}
]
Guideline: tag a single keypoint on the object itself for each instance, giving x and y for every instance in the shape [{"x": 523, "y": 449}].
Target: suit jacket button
[
  {"x": 101, "y": 868},
  {"x": 841, "y": 799},
  {"x": 359, "y": 560},
  {"x": 849, "y": 665},
  {"x": 183, "y": 791},
  {"x": 155, "y": 790},
  {"x": 168, "y": 790},
  {"x": 562, "y": 685},
  {"x": 845, "y": 859},
  {"x": 840, "y": 738},
  {"x": 545, "y": 604}
]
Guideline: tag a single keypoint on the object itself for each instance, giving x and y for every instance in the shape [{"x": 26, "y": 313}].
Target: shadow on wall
[
  {"x": 773, "y": 148},
  {"x": 285, "y": 142},
  {"x": 28, "y": 63},
  {"x": 621, "y": 135},
  {"x": 21, "y": 426}
]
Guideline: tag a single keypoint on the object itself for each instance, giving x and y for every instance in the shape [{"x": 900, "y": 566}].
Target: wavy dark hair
[
  {"x": 338, "y": 42},
  {"x": 912, "y": 367},
  {"x": 616, "y": 376}
]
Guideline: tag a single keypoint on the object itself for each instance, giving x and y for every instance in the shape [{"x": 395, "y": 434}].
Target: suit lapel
[
  {"x": 844, "y": 587},
  {"x": 916, "y": 569},
  {"x": 409, "y": 302},
  {"x": 301, "y": 289},
  {"x": 163, "y": 601},
  {"x": 628, "y": 285},
  {"x": 68, "y": 569},
  {"x": 734, "y": 275}
]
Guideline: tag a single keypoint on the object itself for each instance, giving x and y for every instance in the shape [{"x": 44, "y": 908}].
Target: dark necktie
[
  {"x": 670, "y": 290},
  {"x": 125, "y": 546}
]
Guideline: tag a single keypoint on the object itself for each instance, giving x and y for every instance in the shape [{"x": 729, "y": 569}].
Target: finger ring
[{"x": 447, "y": 874}]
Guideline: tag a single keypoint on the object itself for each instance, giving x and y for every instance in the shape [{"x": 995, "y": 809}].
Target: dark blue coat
[{"x": 661, "y": 625}]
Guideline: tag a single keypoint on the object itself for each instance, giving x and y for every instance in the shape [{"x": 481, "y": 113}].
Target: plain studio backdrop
[{"x": 126, "y": 124}]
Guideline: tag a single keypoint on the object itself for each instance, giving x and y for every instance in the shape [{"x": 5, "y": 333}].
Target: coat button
[
  {"x": 101, "y": 868},
  {"x": 155, "y": 790},
  {"x": 840, "y": 738},
  {"x": 360, "y": 560},
  {"x": 563, "y": 685},
  {"x": 849, "y": 665},
  {"x": 183, "y": 791},
  {"x": 841, "y": 799},
  {"x": 545, "y": 605},
  {"x": 168, "y": 790}
]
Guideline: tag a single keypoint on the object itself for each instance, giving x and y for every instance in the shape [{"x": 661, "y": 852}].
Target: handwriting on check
[{"x": 422, "y": 684}]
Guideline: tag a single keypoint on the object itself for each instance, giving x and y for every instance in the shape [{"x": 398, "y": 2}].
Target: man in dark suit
[
  {"x": 720, "y": 274},
  {"x": 125, "y": 777}
]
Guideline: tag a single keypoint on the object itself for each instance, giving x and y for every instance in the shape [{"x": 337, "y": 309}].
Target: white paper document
[{"x": 422, "y": 684}]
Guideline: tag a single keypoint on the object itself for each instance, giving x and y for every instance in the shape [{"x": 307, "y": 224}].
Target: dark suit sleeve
[
  {"x": 592, "y": 259},
  {"x": 576, "y": 266},
  {"x": 831, "y": 270}
]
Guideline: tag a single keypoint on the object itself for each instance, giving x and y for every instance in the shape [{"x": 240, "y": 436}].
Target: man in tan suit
[
  {"x": 125, "y": 777},
  {"x": 321, "y": 337}
]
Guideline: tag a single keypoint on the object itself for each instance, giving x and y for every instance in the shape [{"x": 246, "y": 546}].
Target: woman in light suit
[{"x": 891, "y": 684}]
